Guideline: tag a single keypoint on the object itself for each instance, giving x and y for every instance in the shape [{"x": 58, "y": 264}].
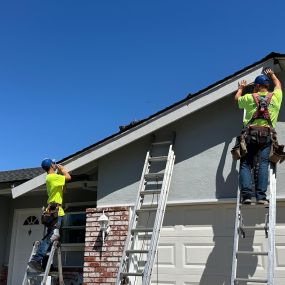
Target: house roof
[
  {"x": 136, "y": 130},
  {"x": 189, "y": 96},
  {"x": 20, "y": 174}
]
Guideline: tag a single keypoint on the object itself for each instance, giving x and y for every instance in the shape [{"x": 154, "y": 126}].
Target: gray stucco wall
[
  {"x": 204, "y": 169},
  {"x": 119, "y": 173}
]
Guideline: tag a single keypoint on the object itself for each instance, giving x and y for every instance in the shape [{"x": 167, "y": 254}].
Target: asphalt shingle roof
[{"x": 20, "y": 174}]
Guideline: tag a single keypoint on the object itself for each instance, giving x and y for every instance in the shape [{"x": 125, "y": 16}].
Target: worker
[
  {"x": 52, "y": 217},
  {"x": 262, "y": 109}
]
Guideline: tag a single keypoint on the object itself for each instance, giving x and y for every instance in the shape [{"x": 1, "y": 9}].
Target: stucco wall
[
  {"x": 119, "y": 174},
  {"x": 204, "y": 168}
]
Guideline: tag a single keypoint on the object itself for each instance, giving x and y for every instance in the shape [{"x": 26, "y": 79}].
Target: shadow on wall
[
  {"x": 249, "y": 263},
  {"x": 226, "y": 187},
  {"x": 203, "y": 158}
]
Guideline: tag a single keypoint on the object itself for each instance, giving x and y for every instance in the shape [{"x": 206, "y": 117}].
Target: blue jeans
[
  {"x": 257, "y": 156},
  {"x": 46, "y": 242}
]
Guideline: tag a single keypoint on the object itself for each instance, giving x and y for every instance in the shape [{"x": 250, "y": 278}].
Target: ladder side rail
[
  {"x": 159, "y": 217},
  {"x": 133, "y": 218},
  {"x": 59, "y": 264},
  {"x": 272, "y": 223},
  {"x": 36, "y": 244},
  {"x": 236, "y": 239},
  {"x": 50, "y": 259},
  {"x": 158, "y": 223}
]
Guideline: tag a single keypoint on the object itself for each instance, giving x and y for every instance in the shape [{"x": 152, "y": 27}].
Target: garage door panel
[
  {"x": 280, "y": 230},
  {"x": 166, "y": 256},
  {"x": 187, "y": 231},
  {"x": 195, "y": 256},
  {"x": 280, "y": 256},
  {"x": 195, "y": 246}
]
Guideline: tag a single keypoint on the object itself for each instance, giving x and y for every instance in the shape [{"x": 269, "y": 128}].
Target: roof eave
[{"x": 169, "y": 115}]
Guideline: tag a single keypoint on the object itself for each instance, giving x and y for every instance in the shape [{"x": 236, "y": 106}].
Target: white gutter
[{"x": 184, "y": 109}]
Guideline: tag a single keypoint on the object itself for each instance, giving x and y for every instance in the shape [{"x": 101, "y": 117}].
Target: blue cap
[
  {"x": 262, "y": 80},
  {"x": 46, "y": 163}
]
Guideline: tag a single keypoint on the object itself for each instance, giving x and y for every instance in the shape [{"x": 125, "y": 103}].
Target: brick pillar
[
  {"x": 3, "y": 275},
  {"x": 101, "y": 262}
]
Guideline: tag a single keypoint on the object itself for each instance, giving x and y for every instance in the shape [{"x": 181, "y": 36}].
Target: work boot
[
  {"x": 262, "y": 202},
  {"x": 246, "y": 201},
  {"x": 35, "y": 265}
]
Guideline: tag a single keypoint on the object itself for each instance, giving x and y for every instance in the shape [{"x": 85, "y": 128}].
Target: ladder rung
[
  {"x": 253, "y": 252},
  {"x": 150, "y": 176},
  {"x": 254, "y": 205},
  {"x": 124, "y": 274},
  {"x": 162, "y": 143},
  {"x": 253, "y": 280},
  {"x": 147, "y": 209},
  {"x": 157, "y": 158},
  {"x": 41, "y": 274},
  {"x": 254, "y": 228},
  {"x": 133, "y": 251},
  {"x": 142, "y": 230},
  {"x": 149, "y": 192}
]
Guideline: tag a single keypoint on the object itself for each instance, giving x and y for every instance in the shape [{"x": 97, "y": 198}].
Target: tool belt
[
  {"x": 50, "y": 214},
  {"x": 260, "y": 136}
]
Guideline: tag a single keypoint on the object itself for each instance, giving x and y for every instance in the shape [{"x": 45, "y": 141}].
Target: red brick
[{"x": 102, "y": 261}]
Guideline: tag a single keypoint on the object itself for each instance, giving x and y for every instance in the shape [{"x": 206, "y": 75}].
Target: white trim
[
  {"x": 189, "y": 202},
  {"x": 169, "y": 116},
  {"x": 17, "y": 214}
]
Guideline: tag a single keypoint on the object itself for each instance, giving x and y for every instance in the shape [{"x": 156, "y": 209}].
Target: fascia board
[
  {"x": 184, "y": 109},
  {"x": 28, "y": 186}
]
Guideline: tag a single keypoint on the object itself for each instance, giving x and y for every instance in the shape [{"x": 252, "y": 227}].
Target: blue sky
[{"x": 71, "y": 71}]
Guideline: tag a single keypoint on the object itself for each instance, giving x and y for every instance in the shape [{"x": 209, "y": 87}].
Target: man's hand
[
  {"x": 268, "y": 72},
  {"x": 60, "y": 167},
  {"x": 241, "y": 86},
  {"x": 64, "y": 172}
]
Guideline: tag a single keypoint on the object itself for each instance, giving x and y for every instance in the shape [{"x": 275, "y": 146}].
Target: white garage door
[{"x": 196, "y": 246}]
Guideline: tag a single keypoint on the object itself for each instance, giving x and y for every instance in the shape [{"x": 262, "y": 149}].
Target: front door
[{"x": 27, "y": 229}]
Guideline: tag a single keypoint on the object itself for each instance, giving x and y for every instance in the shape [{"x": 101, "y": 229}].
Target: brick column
[{"x": 101, "y": 262}]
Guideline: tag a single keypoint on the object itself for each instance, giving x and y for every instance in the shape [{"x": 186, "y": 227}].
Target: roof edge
[{"x": 272, "y": 55}]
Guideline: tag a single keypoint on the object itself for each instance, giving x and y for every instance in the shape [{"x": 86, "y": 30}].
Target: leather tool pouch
[
  {"x": 239, "y": 150},
  {"x": 50, "y": 215},
  {"x": 277, "y": 153}
]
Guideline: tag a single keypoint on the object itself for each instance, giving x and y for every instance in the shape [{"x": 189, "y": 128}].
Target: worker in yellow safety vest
[
  {"x": 261, "y": 113},
  {"x": 52, "y": 216}
]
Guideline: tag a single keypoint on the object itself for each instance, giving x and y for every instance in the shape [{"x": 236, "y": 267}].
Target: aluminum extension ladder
[
  {"x": 45, "y": 278},
  {"x": 269, "y": 228},
  {"x": 147, "y": 217}
]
